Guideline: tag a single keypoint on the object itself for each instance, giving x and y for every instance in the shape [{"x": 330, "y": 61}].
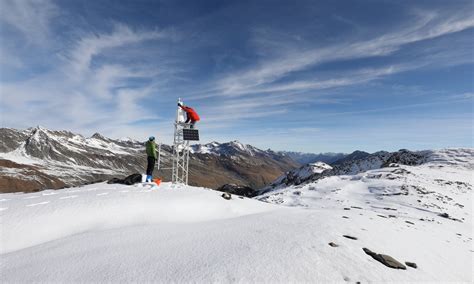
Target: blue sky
[{"x": 310, "y": 76}]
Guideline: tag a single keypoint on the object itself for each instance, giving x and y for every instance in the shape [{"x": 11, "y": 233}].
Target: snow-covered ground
[{"x": 118, "y": 233}]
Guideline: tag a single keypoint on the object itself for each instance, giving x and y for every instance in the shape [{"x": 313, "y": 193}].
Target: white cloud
[
  {"x": 82, "y": 96},
  {"x": 426, "y": 25},
  {"x": 31, "y": 17},
  {"x": 88, "y": 47}
]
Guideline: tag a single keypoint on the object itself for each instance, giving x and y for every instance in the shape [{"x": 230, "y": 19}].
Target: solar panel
[{"x": 191, "y": 134}]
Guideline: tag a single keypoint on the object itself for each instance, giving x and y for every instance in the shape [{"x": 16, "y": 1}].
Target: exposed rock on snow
[
  {"x": 238, "y": 190},
  {"x": 385, "y": 259},
  {"x": 349, "y": 237},
  {"x": 226, "y": 196},
  {"x": 411, "y": 264}
]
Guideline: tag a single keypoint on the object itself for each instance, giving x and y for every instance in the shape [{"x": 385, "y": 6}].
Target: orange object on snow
[{"x": 157, "y": 181}]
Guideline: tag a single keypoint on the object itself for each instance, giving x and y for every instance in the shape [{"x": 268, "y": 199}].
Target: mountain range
[
  {"x": 360, "y": 162},
  {"x": 307, "y": 158},
  {"x": 39, "y": 158}
]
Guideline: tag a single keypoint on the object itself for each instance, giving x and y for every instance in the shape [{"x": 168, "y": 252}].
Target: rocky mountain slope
[
  {"x": 356, "y": 155},
  {"x": 38, "y": 158},
  {"x": 359, "y": 162}
]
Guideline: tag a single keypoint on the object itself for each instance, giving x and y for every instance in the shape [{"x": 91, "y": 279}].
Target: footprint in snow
[
  {"x": 68, "y": 197},
  {"x": 36, "y": 204},
  {"x": 105, "y": 193}
]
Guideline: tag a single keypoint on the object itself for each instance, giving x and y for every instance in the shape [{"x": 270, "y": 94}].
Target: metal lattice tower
[{"x": 180, "y": 150}]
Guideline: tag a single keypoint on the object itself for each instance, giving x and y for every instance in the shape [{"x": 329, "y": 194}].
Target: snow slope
[
  {"x": 118, "y": 233},
  {"x": 421, "y": 212}
]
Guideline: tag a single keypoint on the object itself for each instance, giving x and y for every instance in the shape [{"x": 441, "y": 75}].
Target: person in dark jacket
[
  {"x": 191, "y": 115},
  {"x": 151, "y": 157}
]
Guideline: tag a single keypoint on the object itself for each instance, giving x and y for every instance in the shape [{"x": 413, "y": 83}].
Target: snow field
[
  {"x": 32, "y": 219},
  {"x": 145, "y": 233}
]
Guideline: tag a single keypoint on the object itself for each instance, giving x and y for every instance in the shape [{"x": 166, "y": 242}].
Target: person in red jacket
[{"x": 191, "y": 115}]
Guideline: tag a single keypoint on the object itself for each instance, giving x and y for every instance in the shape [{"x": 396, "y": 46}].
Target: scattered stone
[
  {"x": 411, "y": 264},
  {"x": 444, "y": 215},
  {"x": 385, "y": 259},
  {"x": 356, "y": 207},
  {"x": 226, "y": 196},
  {"x": 347, "y": 208},
  {"x": 388, "y": 208},
  {"x": 333, "y": 245},
  {"x": 241, "y": 197},
  {"x": 410, "y": 222},
  {"x": 458, "y": 234},
  {"x": 345, "y": 217},
  {"x": 392, "y": 216},
  {"x": 297, "y": 193},
  {"x": 349, "y": 237},
  {"x": 382, "y": 216}
]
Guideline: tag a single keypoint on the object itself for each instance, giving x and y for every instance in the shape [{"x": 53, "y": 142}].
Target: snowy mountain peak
[
  {"x": 237, "y": 144},
  {"x": 100, "y": 137},
  {"x": 300, "y": 175},
  {"x": 319, "y": 167},
  {"x": 227, "y": 149}
]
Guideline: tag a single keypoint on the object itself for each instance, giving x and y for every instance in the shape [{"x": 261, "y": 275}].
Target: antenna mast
[{"x": 180, "y": 149}]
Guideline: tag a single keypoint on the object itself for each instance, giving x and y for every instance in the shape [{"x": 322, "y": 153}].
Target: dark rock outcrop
[
  {"x": 226, "y": 196},
  {"x": 349, "y": 237},
  {"x": 411, "y": 264},
  {"x": 405, "y": 157},
  {"x": 238, "y": 190},
  {"x": 129, "y": 180},
  {"x": 385, "y": 259}
]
